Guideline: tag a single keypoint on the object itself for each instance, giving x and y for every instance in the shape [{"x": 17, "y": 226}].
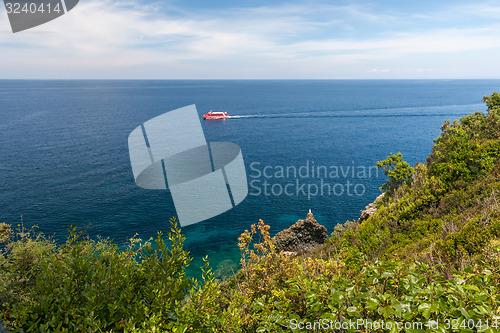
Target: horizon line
[{"x": 244, "y": 79}]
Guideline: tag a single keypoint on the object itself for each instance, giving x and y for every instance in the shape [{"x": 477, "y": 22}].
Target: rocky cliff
[
  {"x": 303, "y": 236},
  {"x": 370, "y": 209}
]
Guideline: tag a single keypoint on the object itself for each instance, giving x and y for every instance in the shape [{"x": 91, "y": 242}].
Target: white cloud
[{"x": 382, "y": 70}]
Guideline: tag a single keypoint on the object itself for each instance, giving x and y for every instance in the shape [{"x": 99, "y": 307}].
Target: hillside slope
[
  {"x": 444, "y": 211},
  {"x": 426, "y": 260}
]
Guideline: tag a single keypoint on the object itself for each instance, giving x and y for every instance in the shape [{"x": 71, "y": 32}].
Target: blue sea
[{"x": 64, "y": 157}]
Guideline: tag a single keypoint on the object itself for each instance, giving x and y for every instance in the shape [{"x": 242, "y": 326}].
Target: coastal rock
[
  {"x": 302, "y": 237},
  {"x": 370, "y": 209}
]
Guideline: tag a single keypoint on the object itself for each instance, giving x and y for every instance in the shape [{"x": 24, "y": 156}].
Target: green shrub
[
  {"x": 396, "y": 169},
  {"x": 87, "y": 285}
]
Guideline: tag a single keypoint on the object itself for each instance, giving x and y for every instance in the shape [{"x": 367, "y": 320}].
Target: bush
[
  {"x": 87, "y": 285},
  {"x": 396, "y": 169}
]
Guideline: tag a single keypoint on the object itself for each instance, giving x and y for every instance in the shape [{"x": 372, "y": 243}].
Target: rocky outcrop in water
[
  {"x": 370, "y": 209},
  {"x": 301, "y": 237}
]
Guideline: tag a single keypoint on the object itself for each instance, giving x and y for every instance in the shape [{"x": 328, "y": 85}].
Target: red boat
[{"x": 216, "y": 115}]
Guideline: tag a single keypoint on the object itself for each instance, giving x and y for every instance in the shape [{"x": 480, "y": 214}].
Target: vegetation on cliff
[
  {"x": 426, "y": 260},
  {"x": 444, "y": 212}
]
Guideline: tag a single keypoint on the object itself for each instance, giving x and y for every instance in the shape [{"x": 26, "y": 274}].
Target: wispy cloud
[{"x": 109, "y": 39}]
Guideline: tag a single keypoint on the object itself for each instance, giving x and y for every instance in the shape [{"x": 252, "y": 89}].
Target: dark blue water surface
[{"x": 64, "y": 156}]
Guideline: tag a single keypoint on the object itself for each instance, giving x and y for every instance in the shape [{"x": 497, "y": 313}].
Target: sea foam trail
[
  {"x": 426, "y": 111},
  {"x": 275, "y": 115}
]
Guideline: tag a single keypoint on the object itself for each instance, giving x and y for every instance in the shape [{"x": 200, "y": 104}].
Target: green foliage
[
  {"x": 87, "y": 285},
  {"x": 467, "y": 149},
  {"x": 449, "y": 212},
  {"x": 5, "y": 233},
  {"x": 453, "y": 157},
  {"x": 396, "y": 169},
  {"x": 323, "y": 291},
  {"x": 492, "y": 101},
  {"x": 493, "y": 123}
]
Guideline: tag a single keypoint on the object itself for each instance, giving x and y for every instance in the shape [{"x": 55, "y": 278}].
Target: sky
[{"x": 255, "y": 39}]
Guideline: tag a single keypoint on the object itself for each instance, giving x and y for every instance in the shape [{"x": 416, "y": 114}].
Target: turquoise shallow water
[{"x": 64, "y": 155}]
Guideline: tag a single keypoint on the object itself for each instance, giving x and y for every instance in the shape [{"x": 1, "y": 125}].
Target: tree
[
  {"x": 453, "y": 155},
  {"x": 396, "y": 169},
  {"x": 493, "y": 117},
  {"x": 492, "y": 101}
]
